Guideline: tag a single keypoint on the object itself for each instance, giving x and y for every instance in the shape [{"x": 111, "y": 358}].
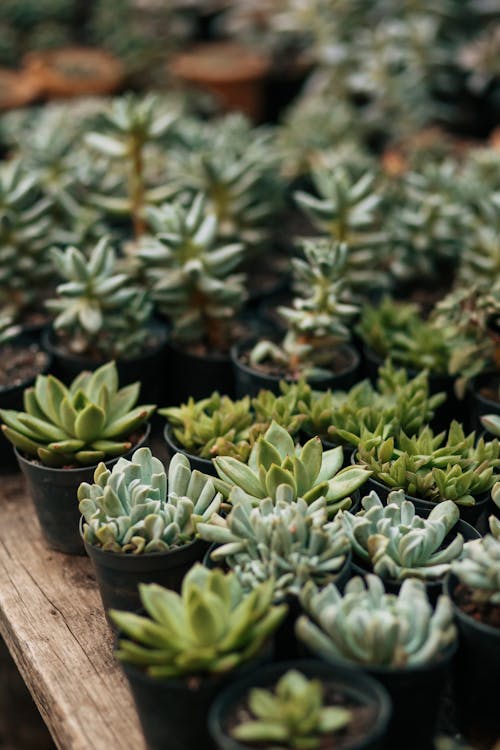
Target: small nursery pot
[
  {"x": 357, "y": 688},
  {"x": 174, "y": 712},
  {"x": 202, "y": 464},
  {"x": 54, "y": 494},
  {"x": 480, "y": 405},
  {"x": 196, "y": 375},
  {"x": 415, "y": 692},
  {"x": 475, "y": 674},
  {"x": 250, "y": 381},
  {"x": 148, "y": 367},
  {"x": 75, "y": 71}
]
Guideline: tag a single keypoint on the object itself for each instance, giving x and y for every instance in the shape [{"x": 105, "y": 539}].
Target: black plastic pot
[
  {"x": 174, "y": 713},
  {"x": 249, "y": 381},
  {"x": 196, "y": 375},
  {"x": 479, "y": 404},
  {"x": 12, "y": 398},
  {"x": 355, "y": 686},
  {"x": 202, "y": 464},
  {"x": 475, "y": 675},
  {"x": 54, "y": 494},
  {"x": 451, "y": 409},
  {"x": 149, "y": 368},
  {"x": 118, "y": 574}
]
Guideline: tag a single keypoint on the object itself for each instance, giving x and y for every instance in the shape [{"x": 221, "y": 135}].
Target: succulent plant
[
  {"x": 83, "y": 424},
  {"x": 348, "y": 211},
  {"x": 370, "y": 627},
  {"x": 133, "y": 508},
  {"x": 317, "y": 322},
  {"x": 131, "y": 124},
  {"x": 294, "y": 714},
  {"x": 479, "y": 566},
  {"x": 286, "y": 540},
  {"x": 190, "y": 274},
  {"x": 210, "y": 628},
  {"x": 399, "y": 544},
  {"x": 25, "y": 235},
  {"x": 491, "y": 423},
  {"x": 480, "y": 258},
  {"x": 308, "y": 472},
  {"x": 99, "y": 312},
  {"x": 434, "y": 467}
]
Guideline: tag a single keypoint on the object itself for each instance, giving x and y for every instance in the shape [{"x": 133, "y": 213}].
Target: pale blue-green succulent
[{"x": 479, "y": 566}]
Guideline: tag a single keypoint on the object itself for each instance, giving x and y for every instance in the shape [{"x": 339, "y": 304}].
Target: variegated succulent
[
  {"x": 399, "y": 544},
  {"x": 370, "y": 627},
  {"x": 286, "y": 540},
  {"x": 135, "y": 508}
]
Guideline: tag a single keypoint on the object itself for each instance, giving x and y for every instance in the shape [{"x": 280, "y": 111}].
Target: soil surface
[
  {"x": 487, "y": 614},
  {"x": 362, "y": 721},
  {"x": 340, "y": 362},
  {"x": 19, "y": 364}
]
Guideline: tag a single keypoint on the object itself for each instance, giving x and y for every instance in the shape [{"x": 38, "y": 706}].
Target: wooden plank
[{"x": 52, "y": 621}]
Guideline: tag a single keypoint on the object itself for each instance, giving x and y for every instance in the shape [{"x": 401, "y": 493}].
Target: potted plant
[
  {"x": 396, "y": 543},
  {"x": 314, "y": 346},
  {"x": 432, "y": 468},
  {"x": 298, "y": 705},
  {"x": 398, "y": 639},
  {"x": 63, "y": 433},
  {"x": 140, "y": 524},
  {"x": 188, "y": 647},
  {"x": 190, "y": 274},
  {"x": 275, "y": 465},
  {"x": 474, "y": 588},
  {"x": 101, "y": 315}
]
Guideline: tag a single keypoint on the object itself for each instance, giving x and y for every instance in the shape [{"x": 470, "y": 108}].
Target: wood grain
[{"x": 52, "y": 622}]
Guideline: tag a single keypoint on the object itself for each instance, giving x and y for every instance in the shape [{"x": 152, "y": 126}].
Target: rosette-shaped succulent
[
  {"x": 479, "y": 567},
  {"x": 368, "y": 626},
  {"x": 211, "y": 627},
  {"x": 308, "y": 472},
  {"x": 136, "y": 508},
  {"x": 398, "y": 543},
  {"x": 88, "y": 422},
  {"x": 289, "y": 541},
  {"x": 99, "y": 312}
]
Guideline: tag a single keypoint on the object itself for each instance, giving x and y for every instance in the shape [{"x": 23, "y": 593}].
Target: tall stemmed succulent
[
  {"x": 318, "y": 321},
  {"x": 99, "y": 312},
  {"x": 135, "y": 508},
  {"x": 479, "y": 566},
  {"x": 25, "y": 235},
  {"x": 399, "y": 544},
  {"x": 127, "y": 129},
  {"x": 88, "y": 422},
  {"x": 286, "y": 540},
  {"x": 369, "y": 627},
  {"x": 190, "y": 273},
  {"x": 210, "y": 628},
  {"x": 277, "y": 468}
]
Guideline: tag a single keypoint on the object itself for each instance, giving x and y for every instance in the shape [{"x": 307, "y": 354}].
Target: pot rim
[
  {"x": 23, "y": 340},
  {"x": 378, "y": 360},
  {"x": 171, "y": 442}
]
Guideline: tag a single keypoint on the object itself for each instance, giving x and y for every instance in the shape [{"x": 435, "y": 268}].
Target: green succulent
[
  {"x": 399, "y": 544},
  {"x": 99, "y": 312},
  {"x": 348, "y": 211},
  {"x": 370, "y": 627},
  {"x": 293, "y": 714},
  {"x": 133, "y": 508},
  {"x": 190, "y": 273},
  {"x": 318, "y": 321},
  {"x": 282, "y": 409},
  {"x": 289, "y": 541},
  {"x": 25, "y": 235},
  {"x": 210, "y": 628},
  {"x": 308, "y": 472},
  {"x": 480, "y": 258},
  {"x": 131, "y": 125},
  {"x": 90, "y": 421},
  {"x": 479, "y": 566},
  {"x": 433, "y": 467}
]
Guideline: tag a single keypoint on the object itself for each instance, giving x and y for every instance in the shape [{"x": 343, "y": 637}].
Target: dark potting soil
[
  {"x": 338, "y": 363},
  {"x": 63, "y": 343},
  {"x": 18, "y": 364},
  {"x": 236, "y": 332},
  {"x": 487, "y": 614},
  {"x": 362, "y": 721}
]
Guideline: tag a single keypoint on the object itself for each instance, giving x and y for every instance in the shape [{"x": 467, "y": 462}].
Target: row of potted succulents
[{"x": 288, "y": 531}]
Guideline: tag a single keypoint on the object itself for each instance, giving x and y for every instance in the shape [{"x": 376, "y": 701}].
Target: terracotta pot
[
  {"x": 74, "y": 71},
  {"x": 17, "y": 89},
  {"x": 234, "y": 74}
]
